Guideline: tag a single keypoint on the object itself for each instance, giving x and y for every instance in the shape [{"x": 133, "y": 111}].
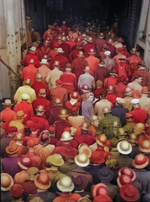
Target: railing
[{"x": 14, "y": 78}]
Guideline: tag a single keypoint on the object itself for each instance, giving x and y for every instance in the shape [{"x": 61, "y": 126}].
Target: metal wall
[
  {"x": 128, "y": 22},
  {"x": 13, "y": 35},
  {"x": 36, "y": 9}
]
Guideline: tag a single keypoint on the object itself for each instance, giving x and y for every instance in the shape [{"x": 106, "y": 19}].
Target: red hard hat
[
  {"x": 140, "y": 161},
  {"x": 75, "y": 95},
  {"x": 101, "y": 139},
  {"x": 110, "y": 88},
  {"x": 123, "y": 179},
  {"x": 43, "y": 178},
  {"x": 98, "y": 189},
  {"x": 11, "y": 129},
  {"x": 56, "y": 64},
  {"x": 42, "y": 181},
  {"x": 128, "y": 91},
  {"x": 31, "y": 143},
  {"x": 127, "y": 171},
  {"x": 85, "y": 87},
  {"x": 16, "y": 190},
  {"x": 25, "y": 162},
  {"x": 56, "y": 45}
]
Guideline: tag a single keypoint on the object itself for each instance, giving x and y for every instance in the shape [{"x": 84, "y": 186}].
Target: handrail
[{"x": 8, "y": 67}]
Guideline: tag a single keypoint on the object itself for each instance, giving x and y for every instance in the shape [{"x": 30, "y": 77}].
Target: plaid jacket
[
  {"x": 145, "y": 76},
  {"x": 108, "y": 124}
]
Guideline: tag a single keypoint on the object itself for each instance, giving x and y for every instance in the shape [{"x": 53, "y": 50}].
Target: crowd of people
[{"x": 79, "y": 128}]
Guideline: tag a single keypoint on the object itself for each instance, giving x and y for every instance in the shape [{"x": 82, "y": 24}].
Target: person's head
[
  {"x": 128, "y": 192},
  {"x": 44, "y": 61},
  {"x": 122, "y": 78},
  {"x": 16, "y": 191},
  {"x": 60, "y": 50},
  {"x": 103, "y": 94},
  {"x": 46, "y": 43},
  {"x": 12, "y": 149},
  {"x": 68, "y": 67},
  {"x": 87, "y": 69},
  {"x": 56, "y": 64},
  {"x": 102, "y": 63},
  {"x": 140, "y": 161},
  {"x": 65, "y": 184},
  {"x": 27, "y": 82},
  {"x": 32, "y": 61},
  {"x": 120, "y": 50},
  {"x": 6, "y": 182},
  {"x": 42, "y": 92},
  {"x": 74, "y": 96},
  {"x": 124, "y": 147},
  {"x": 138, "y": 78},
  {"x": 66, "y": 136},
  {"x": 80, "y": 54},
  {"x": 38, "y": 77},
  {"x": 25, "y": 97},
  {"x": 32, "y": 172},
  {"x": 58, "y": 102},
  {"x": 19, "y": 138},
  {"x": 101, "y": 55},
  {"x": 99, "y": 84},
  {"x": 139, "y": 129},
  {"x": 20, "y": 115},
  {"x": 110, "y": 89},
  {"x": 107, "y": 53},
  {"x": 89, "y": 40},
  {"x": 40, "y": 110},
  {"x": 128, "y": 91},
  {"x": 85, "y": 88},
  {"x": 133, "y": 51},
  {"x": 90, "y": 97},
  {"x": 105, "y": 47},
  {"x": 91, "y": 52},
  {"x": 55, "y": 160},
  {"x": 82, "y": 160},
  {"x": 56, "y": 45},
  {"x": 119, "y": 101},
  {"x": 33, "y": 49},
  {"x": 110, "y": 40},
  {"x": 101, "y": 35},
  {"x": 142, "y": 64},
  {"x": 63, "y": 114},
  {"x": 58, "y": 83},
  {"x": 7, "y": 103},
  {"x": 42, "y": 181},
  {"x": 122, "y": 61},
  {"x": 79, "y": 46},
  {"x": 113, "y": 73},
  {"x": 11, "y": 131},
  {"x": 63, "y": 39},
  {"x": 49, "y": 26},
  {"x": 129, "y": 117},
  {"x": 135, "y": 102},
  {"x": 145, "y": 90},
  {"x": 94, "y": 120},
  {"x": 84, "y": 125}
]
